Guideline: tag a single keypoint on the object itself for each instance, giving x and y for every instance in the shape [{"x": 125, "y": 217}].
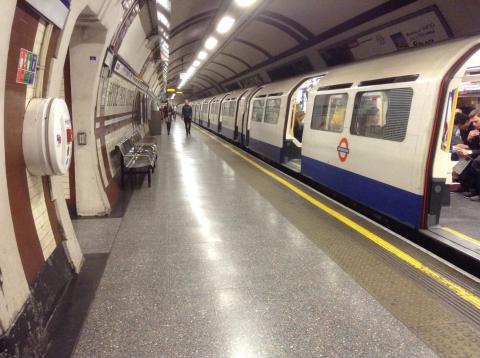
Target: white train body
[{"x": 371, "y": 130}]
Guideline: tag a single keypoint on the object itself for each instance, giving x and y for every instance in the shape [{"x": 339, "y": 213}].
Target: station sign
[
  {"x": 171, "y": 90},
  {"x": 27, "y": 67},
  {"x": 56, "y": 11}
]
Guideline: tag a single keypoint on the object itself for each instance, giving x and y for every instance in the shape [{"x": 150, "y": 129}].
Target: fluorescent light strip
[
  {"x": 211, "y": 43},
  {"x": 244, "y": 3},
  {"x": 225, "y": 24}
]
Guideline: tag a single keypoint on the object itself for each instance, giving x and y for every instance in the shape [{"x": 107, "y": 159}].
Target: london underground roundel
[{"x": 343, "y": 149}]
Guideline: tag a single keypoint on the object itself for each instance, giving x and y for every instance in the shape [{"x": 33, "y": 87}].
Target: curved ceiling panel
[
  {"x": 190, "y": 20},
  {"x": 337, "y": 11},
  {"x": 267, "y": 36},
  {"x": 188, "y": 36},
  {"x": 235, "y": 63},
  {"x": 187, "y": 46},
  {"x": 217, "y": 76},
  {"x": 248, "y": 51},
  {"x": 221, "y": 68},
  {"x": 134, "y": 45},
  {"x": 234, "y": 59}
]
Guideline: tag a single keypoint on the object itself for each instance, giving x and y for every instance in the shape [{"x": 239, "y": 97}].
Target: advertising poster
[
  {"x": 418, "y": 31},
  {"x": 27, "y": 67}
]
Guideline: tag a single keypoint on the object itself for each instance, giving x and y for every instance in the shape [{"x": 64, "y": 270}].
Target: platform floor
[{"x": 216, "y": 259}]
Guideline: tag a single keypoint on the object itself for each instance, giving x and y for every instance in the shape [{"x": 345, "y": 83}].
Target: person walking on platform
[
  {"x": 168, "y": 119},
  {"x": 187, "y": 116},
  {"x": 165, "y": 112}
]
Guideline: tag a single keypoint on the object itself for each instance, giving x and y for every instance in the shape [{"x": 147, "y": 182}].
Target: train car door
[
  {"x": 454, "y": 191},
  {"x": 297, "y": 106},
  {"x": 243, "y": 115}
]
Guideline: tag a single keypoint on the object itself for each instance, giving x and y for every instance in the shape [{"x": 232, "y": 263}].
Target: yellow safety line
[
  {"x": 460, "y": 235},
  {"x": 452, "y": 286}
]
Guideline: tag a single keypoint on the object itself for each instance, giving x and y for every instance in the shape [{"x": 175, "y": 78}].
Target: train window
[
  {"x": 382, "y": 114},
  {"x": 272, "y": 110},
  {"x": 329, "y": 112},
  {"x": 258, "y": 109},
  {"x": 214, "y": 108},
  {"x": 205, "y": 108},
  {"x": 228, "y": 108}
]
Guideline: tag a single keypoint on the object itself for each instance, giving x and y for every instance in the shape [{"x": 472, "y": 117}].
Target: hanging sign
[
  {"x": 27, "y": 67},
  {"x": 56, "y": 11}
]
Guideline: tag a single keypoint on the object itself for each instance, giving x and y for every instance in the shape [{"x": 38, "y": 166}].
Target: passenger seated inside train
[
  {"x": 461, "y": 127},
  {"x": 298, "y": 125},
  {"x": 469, "y": 153}
]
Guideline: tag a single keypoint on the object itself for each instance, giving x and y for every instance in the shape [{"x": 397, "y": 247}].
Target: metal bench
[
  {"x": 136, "y": 160},
  {"x": 145, "y": 141}
]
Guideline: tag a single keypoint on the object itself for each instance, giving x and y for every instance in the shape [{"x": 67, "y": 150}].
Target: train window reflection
[
  {"x": 258, "y": 110},
  {"x": 382, "y": 114},
  {"x": 329, "y": 112},
  {"x": 214, "y": 108},
  {"x": 272, "y": 110},
  {"x": 228, "y": 108}
]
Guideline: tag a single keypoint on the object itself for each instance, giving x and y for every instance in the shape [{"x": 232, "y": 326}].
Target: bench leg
[{"x": 149, "y": 178}]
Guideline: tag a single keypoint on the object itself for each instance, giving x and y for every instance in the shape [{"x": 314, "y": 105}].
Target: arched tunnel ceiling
[{"x": 276, "y": 32}]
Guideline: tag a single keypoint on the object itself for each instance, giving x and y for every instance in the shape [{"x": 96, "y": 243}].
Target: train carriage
[
  {"x": 378, "y": 132},
  {"x": 215, "y": 123},
  {"x": 232, "y": 113},
  {"x": 204, "y": 114},
  {"x": 266, "y": 119}
]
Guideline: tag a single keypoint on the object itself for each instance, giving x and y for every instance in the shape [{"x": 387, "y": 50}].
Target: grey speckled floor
[
  {"x": 196, "y": 271},
  {"x": 96, "y": 235}
]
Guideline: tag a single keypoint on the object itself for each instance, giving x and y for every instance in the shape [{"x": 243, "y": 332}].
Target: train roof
[
  {"x": 427, "y": 63},
  {"x": 281, "y": 87}
]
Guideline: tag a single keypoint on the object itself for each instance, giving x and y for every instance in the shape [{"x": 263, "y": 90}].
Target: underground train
[{"x": 378, "y": 132}]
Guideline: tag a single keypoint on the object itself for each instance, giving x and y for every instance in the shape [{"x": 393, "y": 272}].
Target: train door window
[
  {"x": 298, "y": 104},
  {"x": 329, "y": 112},
  {"x": 258, "y": 110},
  {"x": 272, "y": 110},
  {"x": 228, "y": 108},
  {"x": 382, "y": 114},
  {"x": 232, "y": 108}
]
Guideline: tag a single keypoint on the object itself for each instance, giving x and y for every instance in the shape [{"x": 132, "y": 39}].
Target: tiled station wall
[{"x": 35, "y": 259}]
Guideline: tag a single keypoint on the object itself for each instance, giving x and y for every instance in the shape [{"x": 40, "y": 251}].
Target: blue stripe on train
[
  {"x": 266, "y": 149},
  {"x": 397, "y": 203},
  {"x": 227, "y": 132}
]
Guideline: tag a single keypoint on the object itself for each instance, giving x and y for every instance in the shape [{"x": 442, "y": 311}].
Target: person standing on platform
[{"x": 187, "y": 116}]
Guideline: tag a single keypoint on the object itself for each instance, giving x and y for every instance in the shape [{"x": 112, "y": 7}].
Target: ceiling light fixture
[
  {"x": 163, "y": 19},
  {"x": 166, "y": 4},
  {"x": 225, "y": 24},
  {"x": 244, "y": 3},
  {"x": 211, "y": 43},
  {"x": 202, "y": 55},
  {"x": 196, "y": 63}
]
